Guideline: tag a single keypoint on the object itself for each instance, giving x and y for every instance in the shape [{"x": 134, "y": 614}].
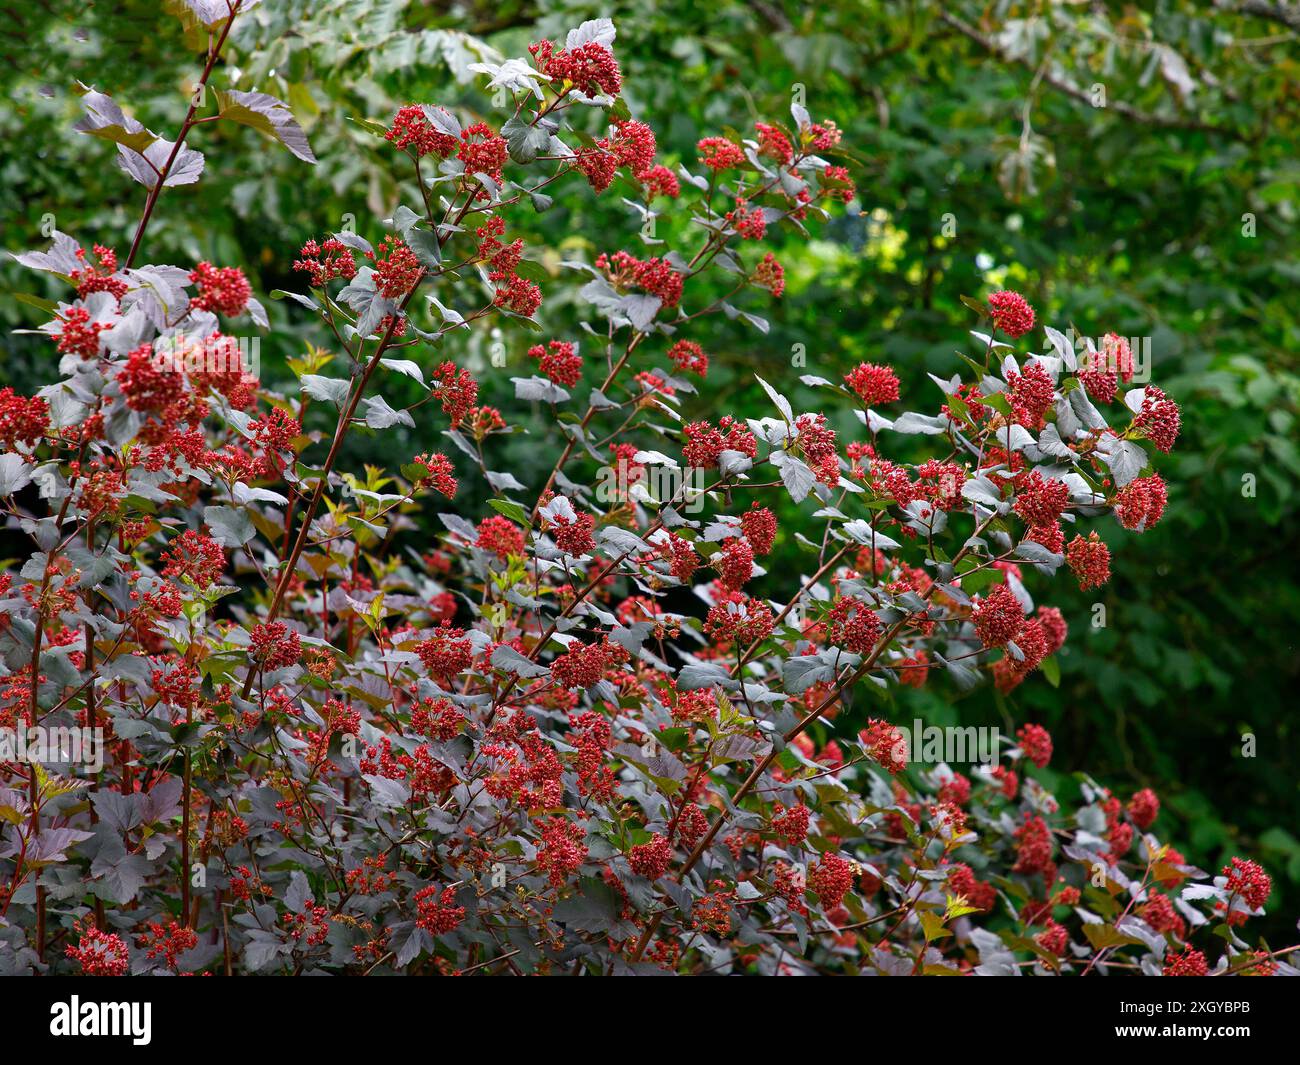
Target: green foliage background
[{"x": 1168, "y": 213}]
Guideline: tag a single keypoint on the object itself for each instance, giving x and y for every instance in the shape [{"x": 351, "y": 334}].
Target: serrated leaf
[
  {"x": 267, "y": 115},
  {"x": 327, "y": 389},
  {"x": 230, "y": 527},
  {"x": 525, "y": 142}
]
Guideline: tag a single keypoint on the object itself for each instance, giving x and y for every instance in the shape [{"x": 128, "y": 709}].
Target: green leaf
[
  {"x": 1104, "y": 935},
  {"x": 370, "y": 126},
  {"x": 267, "y": 115},
  {"x": 998, "y": 402},
  {"x": 426, "y": 248},
  {"x": 932, "y": 924},
  {"x": 326, "y": 389},
  {"x": 524, "y": 142},
  {"x": 511, "y": 510},
  {"x": 1051, "y": 670},
  {"x": 46, "y": 306},
  {"x": 104, "y": 119},
  {"x": 230, "y": 527},
  {"x": 306, "y": 301}
]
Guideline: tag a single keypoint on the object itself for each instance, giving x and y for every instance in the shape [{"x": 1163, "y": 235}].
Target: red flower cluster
[
  {"x": 1160, "y": 914},
  {"x": 439, "y": 719},
  {"x": 437, "y": 912},
  {"x": 689, "y": 357},
  {"x": 792, "y": 825},
  {"x": 680, "y": 555},
  {"x": 998, "y": 617},
  {"x": 831, "y": 878},
  {"x": 769, "y": 274},
  {"x": 873, "y": 384},
  {"x": 412, "y": 128},
  {"x": 1040, "y": 500},
  {"x": 1055, "y": 939},
  {"x": 735, "y": 564},
  {"x": 1011, "y": 313},
  {"x": 224, "y": 289},
  {"x": 558, "y": 361},
  {"x": 759, "y": 526},
  {"x": 653, "y": 276},
  {"x": 1187, "y": 962},
  {"x": 740, "y": 618},
  {"x": 853, "y": 626},
  {"x": 633, "y": 146},
  {"x": 149, "y": 383},
  {"x": 167, "y": 941},
  {"x": 1035, "y": 846},
  {"x": 651, "y": 860},
  {"x": 438, "y": 473},
  {"x": 590, "y": 68},
  {"x": 660, "y": 181},
  {"x": 1143, "y": 808},
  {"x": 704, "y": 443},
  {"x": 483, "y": 152},
  {"x": 396, "y": 268},
  {"x": 563, "y": 850},
  {"x": 448, "y": 652},
  {"x": 597, "y": 164},
  {"x": 1248, "y": 879},
  {"x": 1036, "y": 742},
  {"x": 822, "y": 136},
  {"x": 98, "y": 277},
  {"x": 886, "y": 744},
  {"x": 457, "y": 391},
  {"x": 1101, "y": 371},
  {"x": 275, "y": 645},
  {"x": 583, "y": 664},
  {"x": 1159, "y": 419},
  {"x": 99, "y": 953},
  {"x": 22, "y": 420},
  {"x": 1141, "y": 503},
  {"x": 1089, "y": 560},
  {"x": 574, "y": 535},
  {"x": 749, "y": 223},
  {"x": 1054, "y": 628},
  {"x": 773, "y": 143},
  {"x": 718, "y": 153},
  {"x": 1032, "y": 643},
  {"x": 501, "y": 536},
  {"x": 78, "y": 335},
  {"x": 838, "y": 184},
  {"x": 1031, "y": 393},
  {"x": 196, "y": 557},
  {"x": 325, "y": 261},
  {"x": 977, "y": 893}
]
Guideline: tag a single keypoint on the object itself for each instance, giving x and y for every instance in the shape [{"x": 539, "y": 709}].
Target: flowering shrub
[{"x": 500, "y": 750}]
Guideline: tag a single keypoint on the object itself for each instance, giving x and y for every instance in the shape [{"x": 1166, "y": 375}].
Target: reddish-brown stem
[
  {"x": 200, "y": 92},
  {"x": 821, "y": 572},
  {"x": 586, "y": 419},
  {"x": 745, "y": 788},
  {"x": 345, "y": 420}
]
